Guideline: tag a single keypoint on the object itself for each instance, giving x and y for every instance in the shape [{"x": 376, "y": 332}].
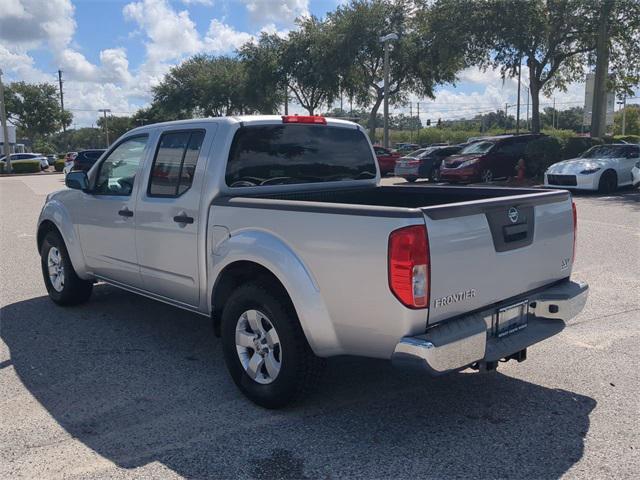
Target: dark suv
[
  {"x": 487, "y": 159},
  {"x": 86, "y": 158}
]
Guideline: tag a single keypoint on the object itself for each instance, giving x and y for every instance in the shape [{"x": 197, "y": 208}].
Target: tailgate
[{"x": 484, "y": 252}]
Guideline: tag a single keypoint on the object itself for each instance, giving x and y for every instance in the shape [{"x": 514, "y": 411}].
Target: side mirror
[{"x": 77, "y": 181}]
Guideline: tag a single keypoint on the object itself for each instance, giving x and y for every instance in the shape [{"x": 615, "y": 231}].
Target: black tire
[
  {"x": 434, "y": 175},
  {"x": 608, "y": 182},
  {"x": 300, "y": 369},
  {"x": 74, "y": 289}
]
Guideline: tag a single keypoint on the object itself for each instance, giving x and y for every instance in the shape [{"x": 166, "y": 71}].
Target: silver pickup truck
[{"x": 278, "y": 229}]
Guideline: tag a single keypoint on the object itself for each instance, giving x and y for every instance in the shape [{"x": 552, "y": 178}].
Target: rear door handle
[
  {"x": 125, "y": 212},
  {"x": 183, "y": 219}
]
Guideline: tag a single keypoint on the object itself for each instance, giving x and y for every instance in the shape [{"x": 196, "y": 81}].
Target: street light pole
[
  {"x": 624, "y": 113},
  {"x": 5, "y": 129},
  {"x": 518, "y": 109},
  {"x": 385, "y": 40},
  {"x": 106, "y": 126}
]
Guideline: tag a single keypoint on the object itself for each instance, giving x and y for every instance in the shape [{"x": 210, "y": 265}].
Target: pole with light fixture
[{"x": 385, "y": 40}]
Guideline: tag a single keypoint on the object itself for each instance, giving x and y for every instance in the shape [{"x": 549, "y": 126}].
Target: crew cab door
[
  {"x": 105, "y": 216},
  {"x": 167, "y": 222}
]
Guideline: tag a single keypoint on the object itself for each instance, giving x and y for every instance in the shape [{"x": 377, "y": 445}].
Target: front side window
[
  {"x": 175, "y": 163},
  {"x": 118, "y": 171},
  {"x": 294, "y": 154}
]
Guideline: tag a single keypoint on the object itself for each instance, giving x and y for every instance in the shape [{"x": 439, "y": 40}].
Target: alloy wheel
[{"x": 258, "y": 346}]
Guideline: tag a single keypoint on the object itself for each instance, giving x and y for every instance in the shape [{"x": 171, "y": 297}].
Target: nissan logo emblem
[{"x": 513, "y": 214}]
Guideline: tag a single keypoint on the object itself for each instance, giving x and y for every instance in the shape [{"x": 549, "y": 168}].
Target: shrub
[
  {"x": 627, "y": 138},
  {"x": 575, "y": 146},
  {"x": 541, "y": 153},
  {"x": 23, "y": 166},
  {"x": 58, "y": 165}
]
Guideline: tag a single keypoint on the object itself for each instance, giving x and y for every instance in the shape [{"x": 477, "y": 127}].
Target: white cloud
[
  {"x": 29, "y": 23},
  {"x": 171, "y": 34},
  {"x": 222, "y": 38},
  {"x": 207, "y": 3},
  {"x": 115, "y": 65},
  {"x": 281, "y": 12}
]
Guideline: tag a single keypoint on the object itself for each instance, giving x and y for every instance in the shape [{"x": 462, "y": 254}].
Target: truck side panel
[{"x": 347, "y": 256}]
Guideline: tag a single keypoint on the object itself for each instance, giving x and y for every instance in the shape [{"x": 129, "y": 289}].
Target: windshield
[
  {"x": 290, "y": 154},
  {"x": 480, "y": 147},
  {"x": 417, "y": 153},
  {"x": 608, "y": 151}
]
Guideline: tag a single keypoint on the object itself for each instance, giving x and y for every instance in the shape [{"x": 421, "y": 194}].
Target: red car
[
  {"x": 486, "y": 160},
  {"x": 386, "y": 159}
]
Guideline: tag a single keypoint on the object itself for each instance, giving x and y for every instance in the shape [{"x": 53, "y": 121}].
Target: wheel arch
[{"x": 251, "y": 254}]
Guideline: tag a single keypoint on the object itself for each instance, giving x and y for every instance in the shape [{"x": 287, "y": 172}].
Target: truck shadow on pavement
[{"x": 139, "y": 382}]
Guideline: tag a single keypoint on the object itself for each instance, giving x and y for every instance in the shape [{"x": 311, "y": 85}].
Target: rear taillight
[
  {"x": 575, "y": 230},
  {"x": 409, "y": 270},
  {"x": 304, "y": 119}
]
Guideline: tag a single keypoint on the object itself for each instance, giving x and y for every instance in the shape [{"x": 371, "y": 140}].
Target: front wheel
[
  {"x": 265, "y": 349},
  {"x": 434, "y": 176},
  {"x": 486, "y": 176},
  {"x": 608, "y": 182},
  {"x": 63, "y": 284}
]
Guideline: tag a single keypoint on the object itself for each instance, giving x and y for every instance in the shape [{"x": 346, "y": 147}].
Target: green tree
[
  {"x": 310, "y": 67},
  {"x": 74, "y": 140},
  {"x": 204, "y": 86},
  {"x": 632, "y": 121},
  {"x": 35, "y": 109},
  {"x": 419, "y": 59},
  {"x": 555, "y": 39},
  {"x": 265, "y": 81},
  {"x": 117, "y": 125}
]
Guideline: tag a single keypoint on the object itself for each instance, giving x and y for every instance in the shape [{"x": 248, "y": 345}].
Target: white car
[
  {"x": 635, "y": 174},
  {"x": 44, "y": 163},
  {"x": 603, "y": 168}
]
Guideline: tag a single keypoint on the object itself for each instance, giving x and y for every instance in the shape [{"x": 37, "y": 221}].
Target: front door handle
[
  {"x": 183, "y": 218},
  {"x": 125, "y": 212}
]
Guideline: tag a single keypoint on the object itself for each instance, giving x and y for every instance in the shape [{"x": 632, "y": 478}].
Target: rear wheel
[
  {"x": 486, "y": 176},
  {"x": 434, "y": 176},
  {"x": 63, "y": 284},
  {"x": 608, "y": 182},
  {"x": 265, "y": 349}
]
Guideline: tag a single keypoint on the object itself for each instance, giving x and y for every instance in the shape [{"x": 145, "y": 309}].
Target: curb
[{"x": 29, "y": 174}]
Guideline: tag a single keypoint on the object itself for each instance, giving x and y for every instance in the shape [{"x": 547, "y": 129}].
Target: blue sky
[{"x": 113, "y": 51}]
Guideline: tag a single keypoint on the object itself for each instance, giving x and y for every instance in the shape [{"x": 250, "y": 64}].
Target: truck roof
[{"x": 244, "y": 119}]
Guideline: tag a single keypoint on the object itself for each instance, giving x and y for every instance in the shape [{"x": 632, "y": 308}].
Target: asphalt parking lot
[{"x": 125, "y": 387}]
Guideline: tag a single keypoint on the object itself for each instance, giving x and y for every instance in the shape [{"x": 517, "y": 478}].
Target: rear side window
[
  {"x": 293, "y": 154},
  {"x": 175, "y": 163}
]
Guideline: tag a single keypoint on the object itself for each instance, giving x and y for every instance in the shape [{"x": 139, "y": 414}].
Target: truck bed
[{"x": 400, "y": 201}]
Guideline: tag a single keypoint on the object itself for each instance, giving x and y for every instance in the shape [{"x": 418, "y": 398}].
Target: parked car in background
[
  {"x": 424, "y": 163},
  {"x": 486, "y": 160},
  {"x": 68, "y": 161},
  {"x": 406, "y": 147},
  {"x": 386, "y": 159},
  {"x": 44, "y": 164},
  {"x": 635, "y": 174},
  {"x": 51, "y": 159},
  {"x": 603, "y": 168},
  {"x": 85, "y": 159}
]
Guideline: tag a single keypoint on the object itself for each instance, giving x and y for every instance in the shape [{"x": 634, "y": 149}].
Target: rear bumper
[{"x": 460, "y": 343}]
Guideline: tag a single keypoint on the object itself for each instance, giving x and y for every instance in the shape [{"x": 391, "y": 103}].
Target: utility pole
[
  {"x": 518, "y": 109},
  {"x": 106, "y": 127},
  {"x": 411, "y": 120},
  {"x": 624, "y": 113},
  {"x": 385, "y": 40},
  {"x": 286, "y": 100},
  {"x": 64, "y": 127},
  {"x": 418, "y": 137},
  {"x": 553, "y": 114},
  {"x": 599, "y": 110},
  {"x": 528, "y": 129},
  {"x": 506, "y": 117},
  {"x": 5, "y": 129}
]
